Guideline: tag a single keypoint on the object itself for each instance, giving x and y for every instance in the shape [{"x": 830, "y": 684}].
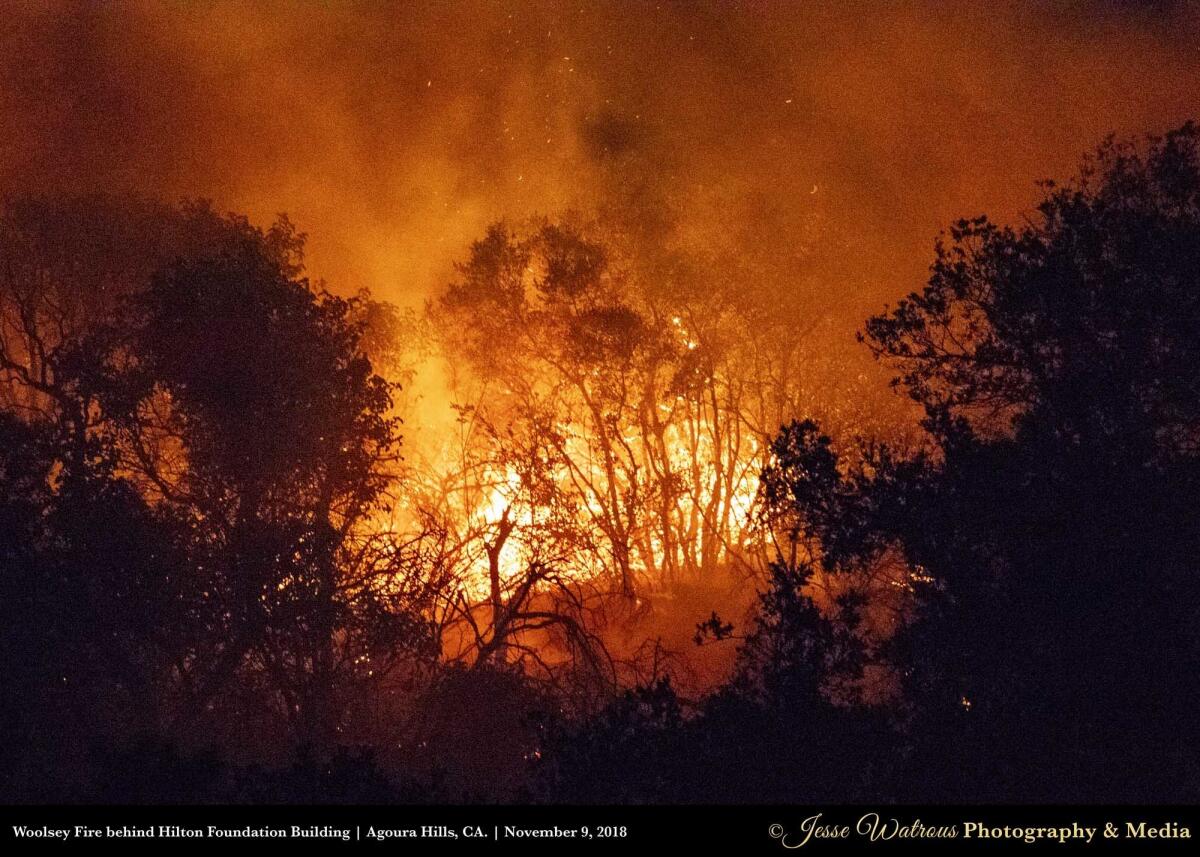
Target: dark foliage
[{"x": 190, "y": 437}]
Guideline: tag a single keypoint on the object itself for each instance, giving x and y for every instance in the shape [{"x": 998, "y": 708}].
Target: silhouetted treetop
[{"x": 1080, "y": 324}]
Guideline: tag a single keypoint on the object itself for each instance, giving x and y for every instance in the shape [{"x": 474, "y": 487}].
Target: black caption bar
[{"x": 749, "y": 829}]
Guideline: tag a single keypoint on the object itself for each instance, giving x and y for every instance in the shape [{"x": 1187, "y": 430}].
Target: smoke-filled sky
[{"x": 394, "y": 132}]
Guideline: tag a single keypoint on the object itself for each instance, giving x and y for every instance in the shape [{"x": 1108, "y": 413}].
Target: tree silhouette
[
  {"x": 1048, "y": 524},
  {"x": 244, "y": 398},
  {"x": 194, "y": 462}
]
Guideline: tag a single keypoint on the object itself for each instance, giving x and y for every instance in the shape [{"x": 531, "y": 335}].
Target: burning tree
[{"x": 613, "y": 421}]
